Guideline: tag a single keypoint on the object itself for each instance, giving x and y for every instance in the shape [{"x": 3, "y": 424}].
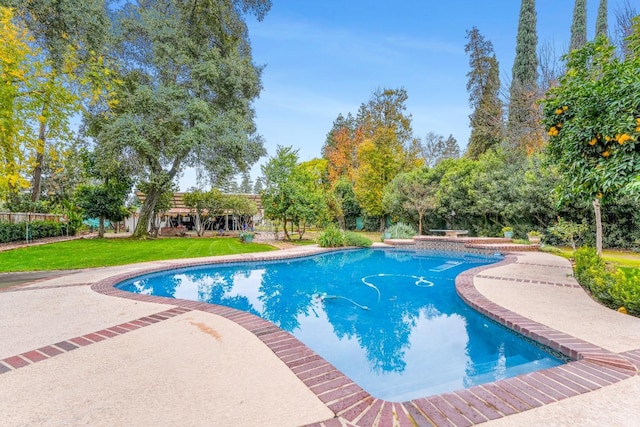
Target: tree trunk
[
  {"x": 199, "y": 225},
  {"x": 383, "y": 223},
  {"x": 101, "y": 227},
  {"x": 420, "y": 215},
  {"x": 146, "y": 213},
  {"x": 37, "y": 171},
  {"x": 596, "y": 209},
  {"x": 284, "y": 227}
]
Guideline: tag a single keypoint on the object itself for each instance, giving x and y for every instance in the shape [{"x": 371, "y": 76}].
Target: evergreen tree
[
  {"x": 483, "y": 87},
  {"x": 246, "y": 186},
  {"x": 602, "y": 27},
  {"x": 525, "y": 64},
  {"x": 579, "y": 25},
  {"x": 523, "y": 126},
  {"x": 257, "y": 187}
]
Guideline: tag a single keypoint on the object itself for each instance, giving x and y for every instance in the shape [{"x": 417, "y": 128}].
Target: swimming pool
[{"x": 389, "y": 319}]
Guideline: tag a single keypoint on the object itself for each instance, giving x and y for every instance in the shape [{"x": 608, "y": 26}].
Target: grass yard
[
  {"x": 623, "y": 259},
  {"x": 85, "y": 253}
]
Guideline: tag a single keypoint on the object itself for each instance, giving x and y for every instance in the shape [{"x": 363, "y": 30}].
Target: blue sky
[{"x": 325, "y": 57}]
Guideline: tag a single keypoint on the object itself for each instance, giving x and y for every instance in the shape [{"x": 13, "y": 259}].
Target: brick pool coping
[{"x": 593, "y": 367}]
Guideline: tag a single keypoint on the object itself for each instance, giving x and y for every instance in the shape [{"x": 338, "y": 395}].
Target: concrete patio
[{"x": 75, "y": 351}]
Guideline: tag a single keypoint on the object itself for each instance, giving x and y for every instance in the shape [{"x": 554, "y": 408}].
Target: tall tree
[
  {"x": 69, "y": 36},
  {"x": 341, "y": 123},
  {"x": 523, "y": 126},
  {"x": 578, "y": 25},
  {"x": 386, "y": 109},
  {"x": 257, "y": 187},
  {"x": 343, "y": 153},
  {"x": 602, "y": 21},
  {"x": 16, "y": 58},
  {"x": 381, "y": 158},
  {"x": 483, "y": 86},
  {"x": 188, "y": 82},
  {"x": 246, "y": 186}
]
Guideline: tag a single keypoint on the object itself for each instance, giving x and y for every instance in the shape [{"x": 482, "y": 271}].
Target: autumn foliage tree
[
  {"x": 381, "y": 158},
  {"x": 16, "y": 58},
  {"x": 342, "y": 155},
  {"x": 65, "y": 73}
]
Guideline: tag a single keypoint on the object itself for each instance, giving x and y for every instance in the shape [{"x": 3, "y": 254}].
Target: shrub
[
  {"x": 585, "y": 258},
  {"x": 331, "y": 237},
  {"x": 625, "y": 291},
  {"x": 355, "y": 239},
  {"x": 613, "y": 288},
  {"x": 401, "y": 230}
]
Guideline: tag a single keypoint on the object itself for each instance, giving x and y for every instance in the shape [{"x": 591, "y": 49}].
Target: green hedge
[
  {"x": 612, "y": 287},
  {"x": 10, "y": 232}
]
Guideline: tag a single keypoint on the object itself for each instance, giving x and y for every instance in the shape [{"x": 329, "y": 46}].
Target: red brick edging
[{"x": 592, "y": 369}]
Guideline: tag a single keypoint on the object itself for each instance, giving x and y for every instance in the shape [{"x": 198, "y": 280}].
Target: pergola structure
[{"x": 181, "y": 215}]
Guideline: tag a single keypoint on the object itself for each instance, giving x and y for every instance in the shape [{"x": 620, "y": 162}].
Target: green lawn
[
  {"x": 86, "y": 253},
  {"x": 624, "y": 259}
]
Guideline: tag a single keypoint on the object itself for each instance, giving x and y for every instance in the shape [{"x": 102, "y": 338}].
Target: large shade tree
[{"x": 185, "y": 97}]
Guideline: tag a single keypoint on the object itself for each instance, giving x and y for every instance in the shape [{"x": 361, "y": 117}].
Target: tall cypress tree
[
  {"x": 602, "y": 26},
  {"x": 523, "y": 126},
  {"x": 579, "y": 25},
  {"x": 483, "y": 87},
  {"x": 525, "y": 64}
]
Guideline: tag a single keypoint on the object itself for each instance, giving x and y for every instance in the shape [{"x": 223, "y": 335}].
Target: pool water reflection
[{"x": 389, "y": 319}]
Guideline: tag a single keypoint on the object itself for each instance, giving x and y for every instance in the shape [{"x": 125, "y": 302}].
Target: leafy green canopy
[
  {"x": 186, "y": 92},
  {"x": 593, "y": 121},
  {"x": 294, "y": 193}
]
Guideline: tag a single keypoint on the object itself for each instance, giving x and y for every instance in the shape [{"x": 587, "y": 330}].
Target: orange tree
[{"x": 593, "y": 122}]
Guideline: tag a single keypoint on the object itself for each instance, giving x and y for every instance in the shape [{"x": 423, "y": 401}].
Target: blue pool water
[{"x": 389, "y": 319}]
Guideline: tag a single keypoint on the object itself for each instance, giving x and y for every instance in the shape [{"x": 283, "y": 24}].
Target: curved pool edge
[{"x": 593, "y": 367}]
